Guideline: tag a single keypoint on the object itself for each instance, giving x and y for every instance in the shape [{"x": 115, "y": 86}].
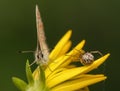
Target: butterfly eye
[
  {"x": 38, "y": 56},
  {"x": 42, "y": 55}
]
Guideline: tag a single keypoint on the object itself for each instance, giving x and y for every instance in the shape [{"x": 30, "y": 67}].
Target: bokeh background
[{"x": 97, "y": 21}]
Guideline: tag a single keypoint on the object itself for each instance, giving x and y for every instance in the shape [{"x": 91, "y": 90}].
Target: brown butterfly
[{"x": 42, "y": 50}]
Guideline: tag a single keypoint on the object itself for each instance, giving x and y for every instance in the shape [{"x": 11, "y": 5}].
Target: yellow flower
[{"x": 62, "y": 75}]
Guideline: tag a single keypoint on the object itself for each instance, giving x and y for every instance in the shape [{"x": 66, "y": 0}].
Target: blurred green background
[{"x": 97, "y": 21}]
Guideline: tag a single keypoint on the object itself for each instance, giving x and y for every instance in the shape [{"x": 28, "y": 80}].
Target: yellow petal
[
  {"x": 87, "y": 76},
  {"x": 63, "y": 76},
  {"x": 53, "y": 74},
  {"x": 66, "y": 59},
  {"x": 55, "y": 52},
  {"x": 65, "y": 48},
  {"x": 70, "y": 73},
  {"x": 73, "y": 53},
  {"x": 77, "y": 48},
  {"x": 78, "y": 83},
  {"x": 54, "y": 65},
  {"x": 98, "y": 62}
]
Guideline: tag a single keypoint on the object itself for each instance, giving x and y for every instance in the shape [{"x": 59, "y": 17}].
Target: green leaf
[
  {"x": 20, "y": 84},
  {"x": 42, "y": 74},
  {"x": 29, "y": 73},
  {"x": 42, "y": 77}
]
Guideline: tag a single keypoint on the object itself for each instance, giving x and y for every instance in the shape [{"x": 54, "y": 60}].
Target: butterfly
[{"x": 42, "y": 50}]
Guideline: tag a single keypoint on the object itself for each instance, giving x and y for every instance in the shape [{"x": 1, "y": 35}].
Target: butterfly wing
[{"x": 41, "y": 37}]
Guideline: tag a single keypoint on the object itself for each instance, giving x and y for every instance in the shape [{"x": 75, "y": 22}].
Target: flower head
[{"x": 60, "y": 74}]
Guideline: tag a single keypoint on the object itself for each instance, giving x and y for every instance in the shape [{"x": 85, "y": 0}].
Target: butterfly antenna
[{"x": 26, "y": 51}]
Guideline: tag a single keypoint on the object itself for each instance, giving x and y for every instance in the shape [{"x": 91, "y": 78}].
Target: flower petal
[
  {"x": 55, "y": 52},
  {"x": 70, "y": 73},
  {"x": 53, "y": 74},
  {"x": 65, "y": 48},
  {"x": 73, "y": 53},
  {"x": 78, "y": 83},
  {"x": 77, "y": 48},
  {"x": 66, "y": 59},
  {"x": 54, "y": 65}
]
